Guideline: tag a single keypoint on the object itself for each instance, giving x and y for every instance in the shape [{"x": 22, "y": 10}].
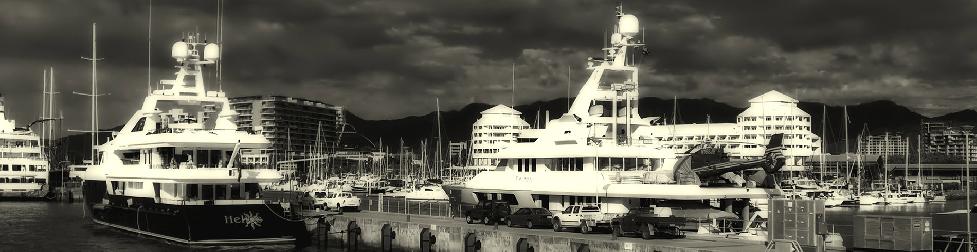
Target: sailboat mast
[
  {"x": 919, "y": 161},
  {"x": 858, "y": 160},
  {"x": 824, "y": 118},
  {"x": 674, "y": 112},
  {"x": 94, "y": 93},
  {"x": 967, "y": 190},
  {"x": 885, "y": 163},
  {"x": 437, "y": 103},
  {"x": 50, "y": 111},
  {"x": 43, "y": 102},
  {"x": 906, "y": 169},
  {"x": 847, "y": 163}
]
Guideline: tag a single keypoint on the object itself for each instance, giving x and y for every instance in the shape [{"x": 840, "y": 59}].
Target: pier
[{"x": 453, "y": 234}]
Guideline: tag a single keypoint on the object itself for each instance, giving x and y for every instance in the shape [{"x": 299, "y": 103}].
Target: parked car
[
  {"x": 530, "y": 218},
  {"x": 585, "y": 218},
  {"x": 338, "y": 201},
  {"x": 648, "y": 222},
  {"x": 488, "y": 212}
]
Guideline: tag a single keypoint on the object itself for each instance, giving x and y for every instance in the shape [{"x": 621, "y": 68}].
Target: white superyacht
[
  {"x": 23, "y": 165},
  {"x": 602, "y": 151},
  {"x": 173, "y": 171}
]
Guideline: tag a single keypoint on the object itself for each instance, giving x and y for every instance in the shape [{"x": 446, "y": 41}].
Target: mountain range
[{"x": 874, "y": 117}]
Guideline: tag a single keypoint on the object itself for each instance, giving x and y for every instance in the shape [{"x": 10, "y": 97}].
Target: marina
[{"x": 258, "y": 147}]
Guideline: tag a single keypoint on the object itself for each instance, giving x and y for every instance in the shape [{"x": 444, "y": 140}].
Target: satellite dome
[
  {"x": 628, "y": 25},
  {"x": 211, "y": 52},
  {"x": 180, "y": 51},
  {"x": 617, "y": 39}
]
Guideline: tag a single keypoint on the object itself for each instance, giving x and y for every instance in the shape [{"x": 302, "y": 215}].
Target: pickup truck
[
  {"x": 649, "y": 222},
  {"x": 488, "y": 212},
  {"x": 584, "y": 218},
  {"x": 338, "y": 201}
]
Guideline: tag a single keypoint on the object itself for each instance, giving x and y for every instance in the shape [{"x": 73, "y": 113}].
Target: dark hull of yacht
[{"x": 239, "y": 224}]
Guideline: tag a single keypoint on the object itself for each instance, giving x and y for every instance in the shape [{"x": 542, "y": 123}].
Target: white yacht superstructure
[
  {"x": 601, "y": 150},
  {"x": 23, "y": 164}
]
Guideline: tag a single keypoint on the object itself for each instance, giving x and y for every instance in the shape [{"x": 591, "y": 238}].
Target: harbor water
[{"x": 52, "y": 226}]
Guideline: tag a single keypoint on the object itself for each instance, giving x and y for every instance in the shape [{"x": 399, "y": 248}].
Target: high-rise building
[
  {"x": 291, "y": 124},
  {"x": 895, "y": 144},
  {"x": 942, "y": 138},
  {"x": 457, "y": 152}
]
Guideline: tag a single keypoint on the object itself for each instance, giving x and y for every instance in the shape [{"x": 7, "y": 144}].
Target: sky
[{"x": 386, "y": 59}]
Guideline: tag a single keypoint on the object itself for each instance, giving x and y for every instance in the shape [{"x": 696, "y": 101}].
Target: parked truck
[
  {"x": 338, "y": 201},
  {"x": 584, "y": 218},
  {"x": 488, "y": 212},
  {"x": 648, "y": 222}
]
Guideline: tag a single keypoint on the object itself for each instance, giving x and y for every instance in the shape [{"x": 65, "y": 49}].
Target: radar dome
[
  {"x": 628, "y": 25},
  {"x": 180, "y": 51},
  {"x": 617, "y": 39},
  {"x": 211, "y": 52}
]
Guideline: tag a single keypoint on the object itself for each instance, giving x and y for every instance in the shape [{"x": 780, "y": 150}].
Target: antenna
[
  {"x": 513, "y": 98},
  {"x": 220, "y": 41},
  {"x": 149, "y": 52},
  {"x": 568, "y": 88}
]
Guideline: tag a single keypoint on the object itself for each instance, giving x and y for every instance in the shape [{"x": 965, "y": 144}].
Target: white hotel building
[
  {"x": 770, "y": 113},
  {"x": 498, "y": 127}
]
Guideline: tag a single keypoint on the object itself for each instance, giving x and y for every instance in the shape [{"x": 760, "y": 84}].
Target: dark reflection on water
[{"x": 40, "y": 226}]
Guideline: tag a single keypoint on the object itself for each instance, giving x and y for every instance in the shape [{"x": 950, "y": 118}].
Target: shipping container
[
  {"x": 897, "y": 233},
  {"x": 796, "y": 220}
]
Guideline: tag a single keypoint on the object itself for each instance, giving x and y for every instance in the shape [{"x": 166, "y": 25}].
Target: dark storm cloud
[{"x": 386, "y": 58}]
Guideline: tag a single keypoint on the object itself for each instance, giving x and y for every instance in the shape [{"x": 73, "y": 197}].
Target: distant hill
[
  {"x": 876, "y": 117},
  {"x": 456, "y": 124},
  {"x": 964, "y": 117}
]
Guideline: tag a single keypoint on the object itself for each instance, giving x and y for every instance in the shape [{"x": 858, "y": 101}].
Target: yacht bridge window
[
  {"x": 566, "y": 164},
  {"x": 629, "y": 164},
  {"x": 237, "y": 191}
]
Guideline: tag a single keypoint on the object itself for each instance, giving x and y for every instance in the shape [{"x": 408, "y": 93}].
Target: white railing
[
  {"x": 190, "y": 166},
  {"x": 199, "y": 202},
  {"x": 639, "y": 177}
]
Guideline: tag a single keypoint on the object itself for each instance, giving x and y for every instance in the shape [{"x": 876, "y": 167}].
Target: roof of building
[
  {"x": 296, "y": 100},
  {"x": 696, "y": 129},
  {"x": 501, "y": 109},
  {"x": 774, "y": 109},
  {"x": 851, "y": 157},
  {"x": 501, "y": 120},
  {"x": 773, "y": 96}
]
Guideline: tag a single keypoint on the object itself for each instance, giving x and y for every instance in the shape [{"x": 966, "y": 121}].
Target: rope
[
  {"x": 137, "y": 217},
  {"x": 279, "y": 216}
]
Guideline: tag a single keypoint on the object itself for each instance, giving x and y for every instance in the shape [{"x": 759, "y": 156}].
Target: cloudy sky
[{"x": 391, "y": 58}]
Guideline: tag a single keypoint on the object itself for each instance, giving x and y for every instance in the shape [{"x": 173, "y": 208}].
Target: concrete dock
[{"x": 377, "y": 229}]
